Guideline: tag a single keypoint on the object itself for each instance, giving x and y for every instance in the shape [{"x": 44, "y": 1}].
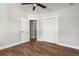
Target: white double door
[{"x": 50, "y": 29}]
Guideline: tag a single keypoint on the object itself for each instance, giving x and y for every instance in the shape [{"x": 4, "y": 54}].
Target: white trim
[
  {"x": 56, "y": 16},
  {"x": 66, "y": 45},
  {"x": 14, "y": 44},
  {"x": 33, "y": 18}
]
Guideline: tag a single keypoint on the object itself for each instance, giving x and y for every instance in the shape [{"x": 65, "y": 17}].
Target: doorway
[{"x": 33, "y": 30}]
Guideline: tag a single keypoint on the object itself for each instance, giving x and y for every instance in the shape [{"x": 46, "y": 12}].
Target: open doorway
[{"x": 33, "y": 30}]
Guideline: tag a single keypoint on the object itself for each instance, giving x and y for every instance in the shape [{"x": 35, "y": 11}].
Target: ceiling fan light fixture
[{"x": 34, "y": 4}]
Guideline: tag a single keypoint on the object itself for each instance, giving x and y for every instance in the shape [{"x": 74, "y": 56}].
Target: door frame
[
  {"x": 49, "y": 17},
  {"x": 33, "y": 18}
]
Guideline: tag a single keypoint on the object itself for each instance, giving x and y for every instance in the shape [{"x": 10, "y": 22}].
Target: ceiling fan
[{"x": 34, "y": 5}]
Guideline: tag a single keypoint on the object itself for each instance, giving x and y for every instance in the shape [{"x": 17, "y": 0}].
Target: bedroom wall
[
  {"x": 68, "y": 25},
  {"x": 3, "y": 24},
  {"x": 11, "y": 15}
]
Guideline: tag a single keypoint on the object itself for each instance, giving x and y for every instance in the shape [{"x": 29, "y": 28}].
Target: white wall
[
  {"x": 3, "y": 24},
  {"x": 16, "y": 15},
  {"x": 10, "y": 23},
  {"x": 68, "y": 25}
]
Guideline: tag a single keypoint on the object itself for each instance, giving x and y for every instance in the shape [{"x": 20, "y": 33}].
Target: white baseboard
[
  {"x": 66, "y": 45},
  {"x": 7, "y": 46}
]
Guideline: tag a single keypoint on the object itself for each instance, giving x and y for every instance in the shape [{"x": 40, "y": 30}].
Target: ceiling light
[{"x": 34, "y": 4}]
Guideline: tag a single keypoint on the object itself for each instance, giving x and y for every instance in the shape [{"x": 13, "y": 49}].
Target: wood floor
[{"x": 39, "y": 49}]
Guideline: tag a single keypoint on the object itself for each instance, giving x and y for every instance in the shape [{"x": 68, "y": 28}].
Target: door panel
[
  {"x": 24, "y": 30},
  {"x": 50, "y": 30}
]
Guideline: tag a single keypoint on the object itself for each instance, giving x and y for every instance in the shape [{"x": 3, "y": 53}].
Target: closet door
[
  {"x": 50, "y": 29},
  {"x": 24, "y": 30}
]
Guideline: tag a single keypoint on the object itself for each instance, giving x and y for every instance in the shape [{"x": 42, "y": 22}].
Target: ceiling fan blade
[
  {"x": 26, "y": 3},
  {"x": 34, "y": 8},
  {"x": 41, "y": 5}
]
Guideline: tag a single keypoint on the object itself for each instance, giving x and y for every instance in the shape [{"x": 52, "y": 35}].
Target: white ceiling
[
  {"x": 56, "y": 6},
  {"x": 50, "y": 7}
]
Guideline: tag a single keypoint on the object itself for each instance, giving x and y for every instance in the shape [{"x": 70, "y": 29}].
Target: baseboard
[
  {"x": 70, "y": 46},
  {"x": 7, "y": 46},
  {"x": 65, "y": 45}
]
